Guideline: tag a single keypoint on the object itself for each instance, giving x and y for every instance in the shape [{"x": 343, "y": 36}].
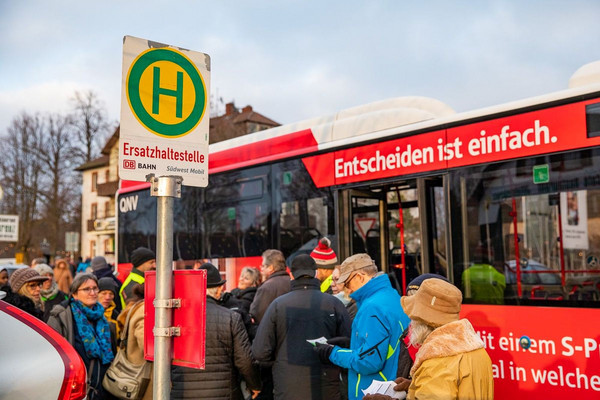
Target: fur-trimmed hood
[{"x": 448, "y": 340}]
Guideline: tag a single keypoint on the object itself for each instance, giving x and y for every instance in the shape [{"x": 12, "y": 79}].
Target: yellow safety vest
[
  {"x": 131, "y": 277},
  {"x": 326, "y": 284}
]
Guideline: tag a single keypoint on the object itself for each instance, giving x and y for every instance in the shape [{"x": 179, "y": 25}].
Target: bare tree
[
  {"x": 60, "y": 189},
  {"x": 90, "y": 122},
  {"x": 21, "y": 174}
]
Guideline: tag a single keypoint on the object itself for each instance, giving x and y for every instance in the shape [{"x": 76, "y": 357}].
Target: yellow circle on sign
[{"x": 167, "y": 112}]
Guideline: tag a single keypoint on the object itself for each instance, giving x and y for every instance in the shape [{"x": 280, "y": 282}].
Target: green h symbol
[{"x": 177, "y": 93}]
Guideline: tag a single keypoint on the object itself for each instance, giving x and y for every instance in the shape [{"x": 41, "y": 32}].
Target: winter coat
[
  {"x": 231, "y": 302},
  {"x": 245, "y": 297},
  {"x": 134, "y": 345},
  {"x": 62, "y": 321},
  {"x": 276, "y": 285},
  {"x": 452, "y": 364},
  {"x": 135, "y": 278},
  {"x": 375, "y": 340},
  {"x": 304, "y": 313},
  {"x": 227, "y": 357},
  {"x": 22, "y": 302},
  {"x": 50, "y": 302},
  {"x": 62, "y": 276}
]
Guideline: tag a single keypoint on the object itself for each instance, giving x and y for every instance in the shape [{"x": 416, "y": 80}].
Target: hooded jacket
[
  {"x": 304, "y": 313},
  {"x": 452, "y": 364},
  {"x": 375, "y": 341},
  {"x": 227, "y": 356}
]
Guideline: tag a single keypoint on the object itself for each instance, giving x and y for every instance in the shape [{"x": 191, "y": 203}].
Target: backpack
[{"x": 124, "y": 379}]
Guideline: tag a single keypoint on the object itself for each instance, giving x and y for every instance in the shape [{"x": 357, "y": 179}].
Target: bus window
[
  {"x": 524, "y": 242},
  {"x": 236, "y": 215},
  {"x": 306, "y": 212}
]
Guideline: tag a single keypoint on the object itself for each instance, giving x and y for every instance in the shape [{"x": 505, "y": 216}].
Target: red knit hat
[{"x": 324, "y": 255}]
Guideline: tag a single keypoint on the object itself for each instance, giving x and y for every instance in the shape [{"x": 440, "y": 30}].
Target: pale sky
[{"x": 294, "y": 60}]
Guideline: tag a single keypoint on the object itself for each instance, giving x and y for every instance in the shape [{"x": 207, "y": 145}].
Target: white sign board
[
  {"x": 9, "y": 228},
  {"x": 71, "y": 241},
  {"x": 573, "y": 209},
  {"x": 164, "y": 112}
]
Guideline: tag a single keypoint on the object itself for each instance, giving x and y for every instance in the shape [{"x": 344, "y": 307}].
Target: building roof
[
  {"x": 114, "y": 139},
  {"x": 96, "y": 163},
  {"x": 236, "y": 123}
]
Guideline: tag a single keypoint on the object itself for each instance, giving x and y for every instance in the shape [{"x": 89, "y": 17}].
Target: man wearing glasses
[{"x": 374, "y": 344}]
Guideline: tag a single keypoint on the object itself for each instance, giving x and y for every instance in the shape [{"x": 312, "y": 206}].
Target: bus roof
[{"x": 366, "y": 123}]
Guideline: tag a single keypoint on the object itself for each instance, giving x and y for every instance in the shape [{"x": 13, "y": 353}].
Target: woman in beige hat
[
  {"x": 451, "y": 362},
  {"x": 26, "y": 286}
]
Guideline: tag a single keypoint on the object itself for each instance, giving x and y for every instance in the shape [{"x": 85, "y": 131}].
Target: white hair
[
  {"x": 213, "y": 292},
  {"x": 419, "y": 332}
]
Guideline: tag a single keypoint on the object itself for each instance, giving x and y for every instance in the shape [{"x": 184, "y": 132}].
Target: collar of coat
[
  {"x": 306, "y": 283},
  {"x": 374, "y": 285},
  {"x": 277, "y": 273},
  {"x": 448, "y": 340}
]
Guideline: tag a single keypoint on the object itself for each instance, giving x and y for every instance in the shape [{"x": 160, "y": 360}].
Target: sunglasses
[{"x": 34, "y": 285}]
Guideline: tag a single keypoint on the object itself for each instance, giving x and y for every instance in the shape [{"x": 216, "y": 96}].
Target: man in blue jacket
[{"x": 376, "y": 330}]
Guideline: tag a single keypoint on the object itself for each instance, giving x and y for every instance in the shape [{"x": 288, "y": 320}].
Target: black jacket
[
  {"x": 304, "y": 313},
  {"x": 227, "y": 357},
  {"x": 22, "y": 302},
  {"x": 245, "y": 297}
]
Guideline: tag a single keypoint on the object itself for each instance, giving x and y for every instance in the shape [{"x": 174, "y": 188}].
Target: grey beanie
[
  {"x": 43, "y": 269},
  {"x": 98, "y": 263}
]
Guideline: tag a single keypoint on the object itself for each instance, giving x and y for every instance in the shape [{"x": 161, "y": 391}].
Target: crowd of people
[{"x": 316, "y": 329}]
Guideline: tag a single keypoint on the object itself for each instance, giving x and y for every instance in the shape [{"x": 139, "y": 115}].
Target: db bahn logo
[
  {"x": 129, "y": 164},
  {"x": 166, "y": 92}
]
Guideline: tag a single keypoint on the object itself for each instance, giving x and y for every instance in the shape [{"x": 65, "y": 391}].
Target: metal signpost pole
[{"x": 166, "y": 188}]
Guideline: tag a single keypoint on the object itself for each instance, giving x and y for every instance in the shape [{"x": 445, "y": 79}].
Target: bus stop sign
[{"x": 164, "y": 118}]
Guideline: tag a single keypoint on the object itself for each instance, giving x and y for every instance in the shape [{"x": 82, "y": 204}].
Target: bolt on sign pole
[{"x": 166, "y": 188}]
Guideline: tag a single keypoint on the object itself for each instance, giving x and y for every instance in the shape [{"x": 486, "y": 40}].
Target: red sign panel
[
  {"x": 546, "y": 131},
  {"x": 190, "y": 287},
  {"x": 563, "y": 357}
]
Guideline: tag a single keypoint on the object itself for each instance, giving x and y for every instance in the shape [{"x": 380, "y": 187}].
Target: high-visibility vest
[
  {"x": 326, "y": 284},
  {"x": 131, "y": 277}
]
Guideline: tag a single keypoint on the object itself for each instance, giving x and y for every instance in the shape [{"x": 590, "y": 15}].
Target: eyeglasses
[
  {"x": 89, "y": 290},
  {"x": 349, "y": 280},
  {"x": 34, "y": 285}
]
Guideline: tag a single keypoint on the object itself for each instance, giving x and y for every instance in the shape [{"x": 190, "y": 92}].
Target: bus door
[
  {"x": 403, "y": 226},
  {"x": 364, "y": 224}
]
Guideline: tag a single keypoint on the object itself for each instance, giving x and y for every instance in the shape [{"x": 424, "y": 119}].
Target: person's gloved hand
[
  {"x": 377, "y": 397},
  {"x": 402, "y": 384},
  {"x": 324, "y": 351},
  {"x": 341, "y": 341}
]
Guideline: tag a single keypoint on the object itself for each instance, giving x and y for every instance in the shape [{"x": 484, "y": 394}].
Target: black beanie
[
  {"x": 141, "y": 255},
  {"x": 108, "y": 283}
]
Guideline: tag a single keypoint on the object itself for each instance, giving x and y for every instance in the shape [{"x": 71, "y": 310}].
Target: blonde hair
[
  {"x": 24, "y": 291},
  {"x": 253, "y": 274}
]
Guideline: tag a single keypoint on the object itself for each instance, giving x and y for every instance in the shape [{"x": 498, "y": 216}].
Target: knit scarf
[
  {"x": 96, "y": 342},
  {"x": 50, "y": 293}
]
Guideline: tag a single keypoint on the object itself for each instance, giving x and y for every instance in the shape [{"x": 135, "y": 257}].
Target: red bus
[{"x": 503, "y": 201}]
